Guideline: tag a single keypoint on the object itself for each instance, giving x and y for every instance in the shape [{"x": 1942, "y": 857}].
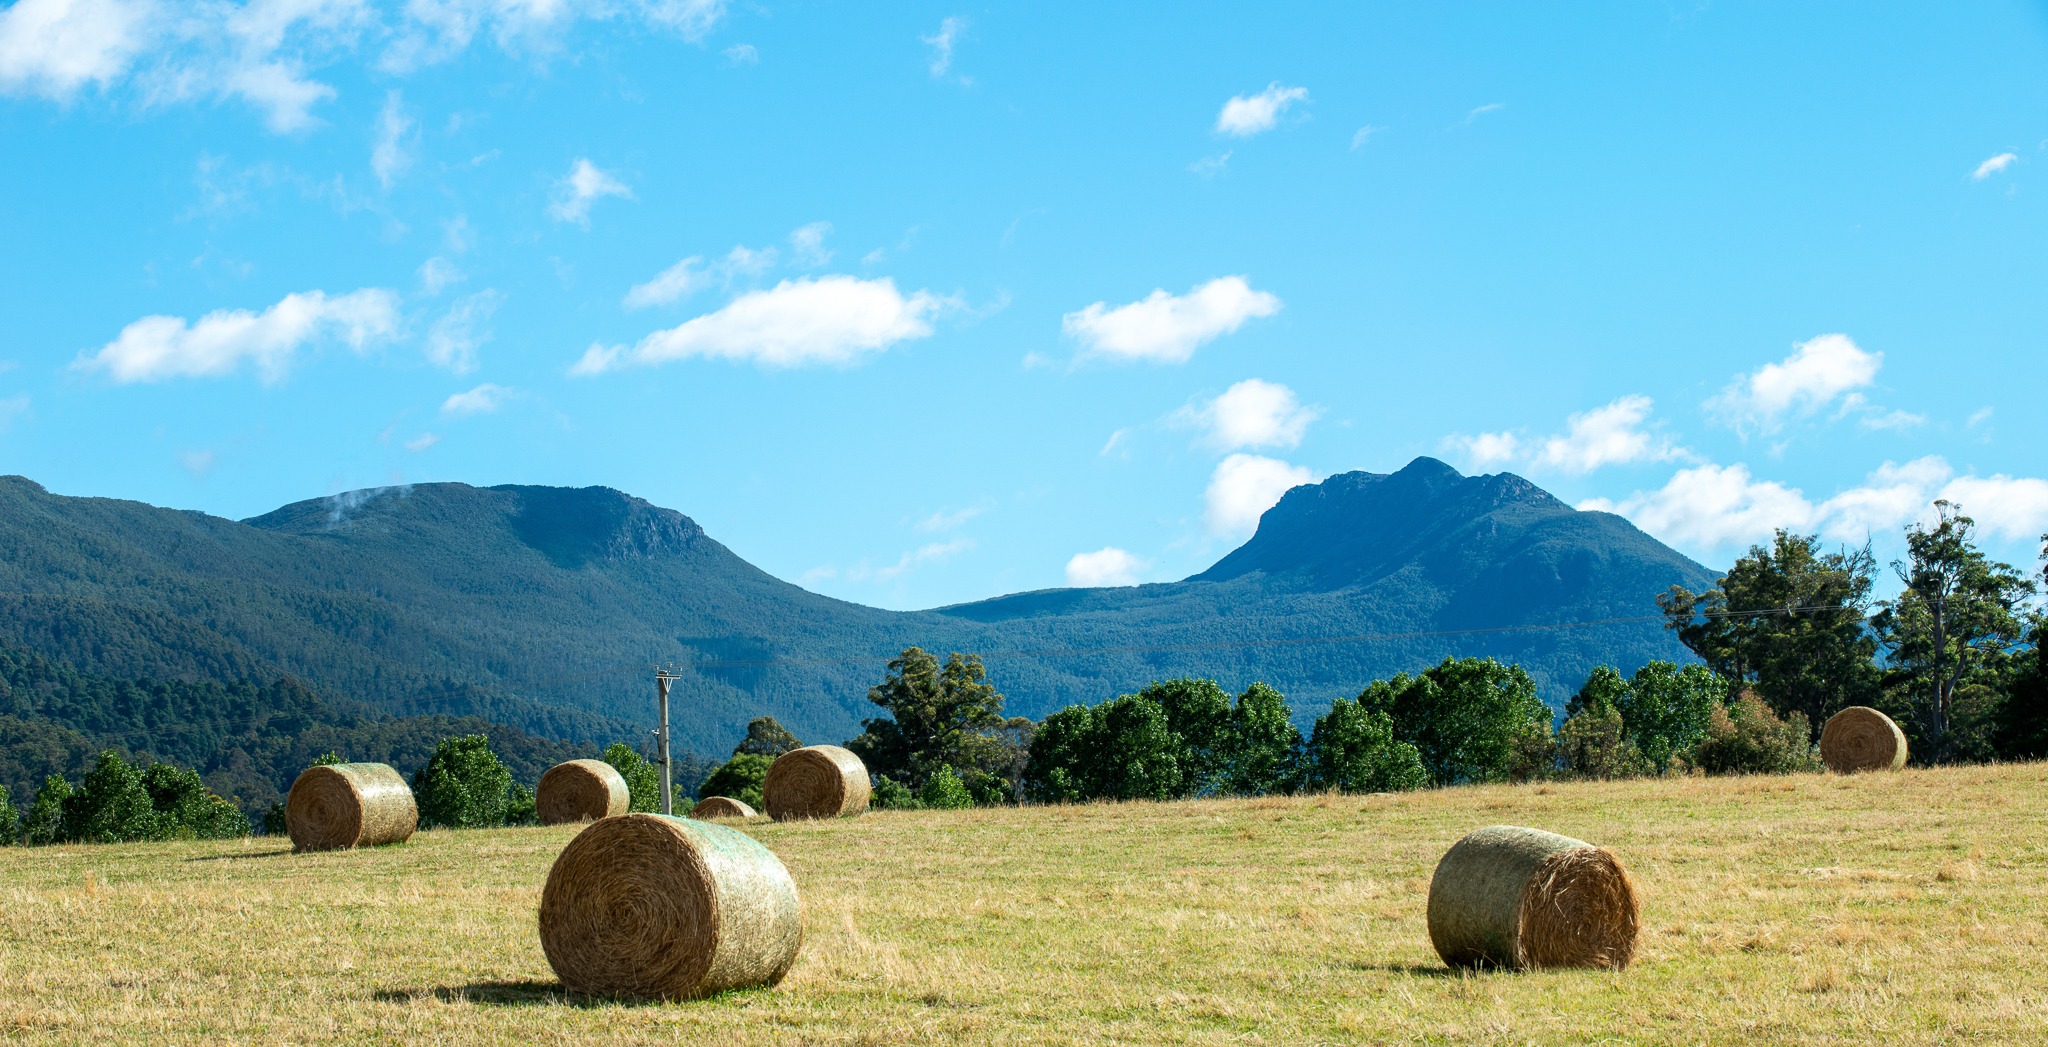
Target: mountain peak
[{"x": 1356, "y": 527}]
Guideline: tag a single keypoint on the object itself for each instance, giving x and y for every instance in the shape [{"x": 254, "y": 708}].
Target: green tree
[
  {"x": 1354, "y": 749},
  {"x": 643, "y": 779},
  {"x": 1666, "y": 708},
  {"x": 1959, "y": 615},
  {"x": 739, "y": 778},
  {"x": 939, "y": 716},
  {"x": 943, "y": 791},
  {"x": 1790, "y": 620},
  {"x": 1136, "y": 753},
  {"x": 463, "y": 785},
  {"x": 1260, "y": 744},
  {"x": 767, "y": 738},
  {"x": 1747, "y": 737},
  {"x": 10, "y": 823},
  {"x": 1059, "y": 767},
  {"x": 187, "y": 809},
  {"x": 520, "y": 806},
  {"x": 1462, "y": 715},
  {"x": 111, "y": 805},
  {"x": 2022, "y": 728},
  {"x": 1593, "y": 743},
  {"x": 45, "y": 820}
]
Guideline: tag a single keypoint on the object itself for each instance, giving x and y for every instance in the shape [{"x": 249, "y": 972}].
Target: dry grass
[{"x": 1900, "y": 907}]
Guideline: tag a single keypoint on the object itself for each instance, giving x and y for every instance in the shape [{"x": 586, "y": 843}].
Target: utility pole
[{"x": 661, "y": 679}]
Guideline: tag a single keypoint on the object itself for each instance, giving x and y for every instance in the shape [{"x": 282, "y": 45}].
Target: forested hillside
[
  {"x": 446, "y": 598},
  {"x": 247, "y": 741}
]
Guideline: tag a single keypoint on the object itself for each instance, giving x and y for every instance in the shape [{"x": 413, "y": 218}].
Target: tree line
[{"x": 1788, "y": 637}]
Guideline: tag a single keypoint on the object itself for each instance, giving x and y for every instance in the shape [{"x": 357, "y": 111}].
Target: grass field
[{"x": 1806, "y": 909}]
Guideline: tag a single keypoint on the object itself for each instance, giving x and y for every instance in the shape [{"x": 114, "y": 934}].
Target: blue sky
[{"x": 917, "y": 304}]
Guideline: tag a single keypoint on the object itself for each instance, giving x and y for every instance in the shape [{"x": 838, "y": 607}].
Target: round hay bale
[
  {"x": 653, "y": 906},
  {"x": 349, "y": 805},
  {"x": 1505, "y": 896},
  {"x": 816, "y": 781},
  {"x": 1860, "y": 738},
  {"x": 580, "y": 791},
  {"x": 721, "y": 807}
]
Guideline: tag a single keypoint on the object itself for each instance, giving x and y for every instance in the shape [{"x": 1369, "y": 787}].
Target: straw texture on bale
[
  {"x": 721, "y": 807},
  {"x": 816, "y": 781},
  {"x": 580, "y": 790},
  {"x": 652, "y": 906},
  {"x": 1860, "y": 738},
  {"x": 349, "y": 805},
  {"x": 1505, "y": 896}
]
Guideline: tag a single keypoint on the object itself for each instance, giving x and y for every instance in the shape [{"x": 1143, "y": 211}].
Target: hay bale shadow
[
  {"x": 528, "y": 993},
  {"x": 1419, "y": 970},
  {"x": 227, "y": 857},
  {"x": 536, "y": 993}
]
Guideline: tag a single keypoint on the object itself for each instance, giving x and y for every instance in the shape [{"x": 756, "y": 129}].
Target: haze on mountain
[{"x": 545, "y": 608}]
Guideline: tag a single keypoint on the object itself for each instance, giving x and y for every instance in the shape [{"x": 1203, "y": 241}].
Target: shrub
[
  {"x": 274, "y": 821},
  {"x": 1747, "y": 738},
  {"x": 943, "y": 791},
  {"x": 10, "y": 824},
  {"x": 643, "y": 779},
  {"x": 111, "y": 805},
  {"x": 186, "y": 809},
  {"x": 1593, "y": 744},
  {"x": 45, "y": 820},
  {"x": 892, "y": 795},
  {"x": 739, "y": 778},
  {"x": 1354, "y": 750},
  {"x": 463, "y": 785},
  {"x": 519, "y": 806}
]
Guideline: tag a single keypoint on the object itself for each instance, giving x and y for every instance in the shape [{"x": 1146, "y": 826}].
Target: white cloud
[
  {"x": 158, "y": 347},
  {"x": 935, "y": 552},
  {"x": 1363, "y": 135},
  {"x": 454, "y": 339},
  {"x": 437, "y": 273},
  {"x": 1815, "y": 374},
  {"x": 422, "y": 442},
  {"x": 1245, "y": 116},
  {"x": 946, "y": 521},
  {"x": 1115, "y": 438},
  {"x": 837, "y": 320},
  {"x": 1710, "y": 507},
  {"x": 744, "y": 260},
  {"x": 680, "y": 280},
  {"x": 484, "y": 399},
  {"x": 388, "y": 158},
  {"x": 742, "y": 54},
  {"x": 576, "y": 191},
  {"x": 198, "y": 463},
  {"x": 1108, "y": 565},
  {"x": 1714, "y": 507},
  {"x": 1491, "y": 107},
  {"x": 942, "y": 44},
  {"x": 1897, "y": 420},
  {"x": 1211, "y": 166},
  {"x": 1994, "y": 165},
  {"x": 1167, "y": 328},
  {"x": 1486, "y": 449},
  {"x": 1243, "y": 487},
  {"x": 808, "y": 244},
  {"x": 1610, "y": 435},
  {"x": 1978, "y": 417},
  {"x": 54, "y": 47},
  {"x": 690, "y": 19},
  {"x": 1251, "y": 414},
  {"x": 262, "y": 51},
  {"x": 2015, "y": 508}
]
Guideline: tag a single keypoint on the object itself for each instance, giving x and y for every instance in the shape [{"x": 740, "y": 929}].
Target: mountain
[{"x": 545, "y": 608}]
